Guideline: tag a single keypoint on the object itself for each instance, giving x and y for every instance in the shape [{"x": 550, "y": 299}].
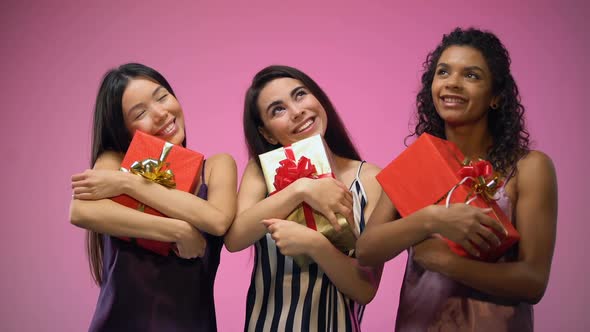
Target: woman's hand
[
  {"x": 466, "y": 226},
  {"x": 191, "y": 244},
  {"x": 95, "y": 184},
  {"x": 432, "y": 254},
  {"x": 291, "y": 238},
  {"x": 328, "y": 196}
]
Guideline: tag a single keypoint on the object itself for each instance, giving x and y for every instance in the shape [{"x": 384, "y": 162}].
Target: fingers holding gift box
[
  {"x": 94, "y": 184},
  {"x": 344, "y": 239},
  {"x": 431, "y": 171},
  {"x": 307, "y": 161},
  {"x": 469, "y": 226},
  {"x": 169, "y": 165},
  {"x": 291, "y": 238},
  {"x": 330, "y": 198}
]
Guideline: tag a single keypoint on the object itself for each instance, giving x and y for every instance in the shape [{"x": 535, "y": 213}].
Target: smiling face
[
  {"x": 462, "y": 87},
  {"x": 289, "y": 112},
  {"x": 151, "y": 108}
]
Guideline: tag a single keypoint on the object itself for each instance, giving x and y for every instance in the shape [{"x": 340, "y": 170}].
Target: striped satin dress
[{"x": 284, "y": 297}]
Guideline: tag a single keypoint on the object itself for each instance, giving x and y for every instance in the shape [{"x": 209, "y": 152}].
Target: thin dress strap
[
  {"x": 358, "y": 172},
  {"x": 203, "y": 189},
  {"x": 359, "y": 198},
  {"x": 512, "y": 172},
  {"x": 203, "y": 171}
]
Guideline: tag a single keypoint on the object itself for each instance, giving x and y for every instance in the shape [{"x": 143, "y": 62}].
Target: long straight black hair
[
  {"x": 110, "y": 134},
  {"x": 336, "y": 135}
]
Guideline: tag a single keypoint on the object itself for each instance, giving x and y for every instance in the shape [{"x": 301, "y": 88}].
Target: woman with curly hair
[{"x": 470, "y": 98}]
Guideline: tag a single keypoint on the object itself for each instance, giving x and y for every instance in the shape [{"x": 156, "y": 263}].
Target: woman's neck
[
  {"x": 473, "y": 141},
  {"x": 340, "y": 165}
]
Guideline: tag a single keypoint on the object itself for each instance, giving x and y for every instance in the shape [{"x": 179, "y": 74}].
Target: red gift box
[
  {"x": 429, "y": 171},
  {"x": 165, "y": 163}
]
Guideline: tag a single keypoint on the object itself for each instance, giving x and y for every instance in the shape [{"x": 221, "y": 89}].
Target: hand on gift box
[
  {"x": 328, "y": 196},
  {"x": 433, "y": 254},
  {"x": 95, "y": 184},
  {"x": 466, "y": 226},
  {"x": 291, "y": 238},
  {"x": 191, "y": 244}
]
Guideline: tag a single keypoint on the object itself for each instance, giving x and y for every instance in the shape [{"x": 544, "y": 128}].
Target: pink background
[{"x": 367, "y": 58}]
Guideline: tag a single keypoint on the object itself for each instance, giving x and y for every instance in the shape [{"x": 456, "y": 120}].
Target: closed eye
[{"x": 140, "y": 114}]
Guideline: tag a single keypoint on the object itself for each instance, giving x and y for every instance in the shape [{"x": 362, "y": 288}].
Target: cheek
[
  {"x": 274, "y": 127},
  {"x": 434, "y": 91},
  {"x": 481, "y": 99},
  {"x": 316, "y": 103},
  {"x": 180, "y": 119},
  {"x": 280, "y": 128},
  {"x": 143, "y": 125},
  {"x": 130, "y": 127},
  {"x": 176, "y": 109},
  {"x": 436, "y": 85}
]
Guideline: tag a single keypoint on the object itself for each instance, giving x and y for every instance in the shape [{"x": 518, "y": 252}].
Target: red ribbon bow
[
  {"x": 290, "y": 171},
  {"x": 481, "y": 168},
  {"x": 481, "y": 177}
]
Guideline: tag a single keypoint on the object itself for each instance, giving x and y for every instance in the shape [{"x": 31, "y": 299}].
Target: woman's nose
[
  {"x": 296, "y": 112},
  {"x": 453, "y": 82},
  {"x": 159, "y": 113}
]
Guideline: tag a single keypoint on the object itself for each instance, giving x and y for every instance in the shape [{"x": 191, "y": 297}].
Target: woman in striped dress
[{"x": 282, "y": 106}]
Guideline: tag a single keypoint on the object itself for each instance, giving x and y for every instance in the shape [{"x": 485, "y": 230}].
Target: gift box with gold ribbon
[
  {"x": 306, "y": 158},
  {"x": 434, "y": 171},
  {"x": 156, "y": 160}
]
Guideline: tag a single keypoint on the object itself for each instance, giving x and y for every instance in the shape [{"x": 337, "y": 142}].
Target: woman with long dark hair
[
  {"x": 283, "y": 106},
  {"x": 141, "y": 290},
  {"x": 470, "y": 98}
]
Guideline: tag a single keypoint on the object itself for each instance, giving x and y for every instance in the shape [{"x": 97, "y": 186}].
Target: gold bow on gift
[
  {"x": 155, "y": 170},
  {"x": 481, "y": 178}
]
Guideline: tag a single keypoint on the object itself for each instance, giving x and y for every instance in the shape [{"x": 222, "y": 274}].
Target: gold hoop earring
[{"x": 494, "y": 106}]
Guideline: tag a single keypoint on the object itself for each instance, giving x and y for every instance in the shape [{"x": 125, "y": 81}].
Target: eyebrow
[
  {"x": 278, "y": 102},
  {"x": 474, "y": 68},
  {"x": 156, "y": 90},
  {"x": 442, "y": 64}
]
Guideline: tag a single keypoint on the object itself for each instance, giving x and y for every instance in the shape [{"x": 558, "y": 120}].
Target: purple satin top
[
  {"x": 429, "y": 301},
  {"x": 146, "y": 292}
]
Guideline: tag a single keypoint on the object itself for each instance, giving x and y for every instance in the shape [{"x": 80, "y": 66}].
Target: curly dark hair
[{"x": 506, "y": 124}]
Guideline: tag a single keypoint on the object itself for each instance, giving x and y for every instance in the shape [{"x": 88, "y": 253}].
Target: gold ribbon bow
[
  {"x": 481, "y": 178},
  {"x": 155, "y": 170}
]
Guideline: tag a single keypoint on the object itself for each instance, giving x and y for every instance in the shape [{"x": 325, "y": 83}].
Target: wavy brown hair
[{"x": 506, "y": 123}]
